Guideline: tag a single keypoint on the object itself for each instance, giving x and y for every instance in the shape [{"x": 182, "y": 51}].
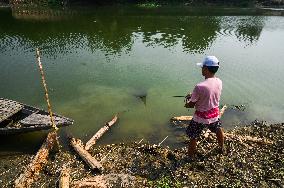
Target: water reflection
[
  {"x": 194, "y": 33},
  {"x": 109, "y": 34},
  {"x": 245, "y": 28},
  {"x": 249, "y": 29},
  {"x": 115, "y": 34}
]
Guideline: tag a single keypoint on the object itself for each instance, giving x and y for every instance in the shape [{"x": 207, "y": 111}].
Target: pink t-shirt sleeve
[{"x": 195, "y": 94}]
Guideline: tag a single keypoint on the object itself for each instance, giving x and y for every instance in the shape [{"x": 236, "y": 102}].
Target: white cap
[{"x": 209, "y": 61}]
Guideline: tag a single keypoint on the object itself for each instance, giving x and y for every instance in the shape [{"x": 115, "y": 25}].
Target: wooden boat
[{"x": 17, "y": 118}]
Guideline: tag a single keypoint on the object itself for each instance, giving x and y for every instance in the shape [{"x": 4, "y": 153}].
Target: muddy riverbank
[
  {"x": 150, "y": 3},
  {"x": 254, "y": 157}
]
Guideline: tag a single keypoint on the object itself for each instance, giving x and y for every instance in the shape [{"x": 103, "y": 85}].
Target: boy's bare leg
[
  {"x": 192, "y": 147},
  {"x": 220, "y": 138}
]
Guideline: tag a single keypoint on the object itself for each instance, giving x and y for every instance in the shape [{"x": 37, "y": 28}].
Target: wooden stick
[
  {"x": 32, "y": 171},
  {"x": 100, "y": 133},
  {"x": 222, "y": 111},
  {"x": 163, "y": 140},
  {"x": 105, "y": 157},
  {"x": 188, "y": 118},
  {"x": 140, "y": 141},
  {"x": 77, "y": 144},
  {"x": 64, "y": 177},
  {"x": 45, "y": 89}
]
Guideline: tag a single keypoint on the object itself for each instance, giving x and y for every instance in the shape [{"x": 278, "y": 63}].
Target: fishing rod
[
  {"x": 184, "y": 96},
  {"x": 179, "y": 96}
]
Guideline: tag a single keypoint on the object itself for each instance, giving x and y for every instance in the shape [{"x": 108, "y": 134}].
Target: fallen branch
[
  {"x": 105, "y": 181},
  {"x": 32, "y": 171},
  {"x": 94, "y": 182},
  {"x": 64, "y": 177},
  {"x": 100, "y": 133},
  {"x": 248, "y": 138},
  {"x": 188, "y": 118},
  {"x": 77, "y": 144},
  {"x": 277, "y": 182},
  {"x": 242, "y": 138}
]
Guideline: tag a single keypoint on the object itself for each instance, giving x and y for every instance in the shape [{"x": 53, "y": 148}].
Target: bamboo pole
[
  {"x": 45, "y": 89},
  {"x": 100, "y": 133},
  {"x": 32, "y": 171}
]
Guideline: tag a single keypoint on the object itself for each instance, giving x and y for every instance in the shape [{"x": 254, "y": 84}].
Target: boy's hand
[
  {"x": 189, "y": 104},
  {"x": 186, "y": 105},
  {"x": 187, "y": 97}
]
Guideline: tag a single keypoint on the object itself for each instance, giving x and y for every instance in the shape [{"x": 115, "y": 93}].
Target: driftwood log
[
  {"x": 100, "y": 133},
  {"x": 78, "y": 146},
  {"x": 188, "y": 118},
  {"x": 64, "y": 177},
  {"x": 32, "y": 171}
]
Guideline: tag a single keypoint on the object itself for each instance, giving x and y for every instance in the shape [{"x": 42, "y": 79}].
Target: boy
[{"x": 205, "y": 98}]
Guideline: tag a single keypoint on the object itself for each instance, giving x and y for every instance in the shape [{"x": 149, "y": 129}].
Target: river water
[{"x": 99, "y": 61}]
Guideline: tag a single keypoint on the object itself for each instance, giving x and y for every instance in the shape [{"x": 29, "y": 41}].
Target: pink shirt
[{"x": 206, "y": 96}]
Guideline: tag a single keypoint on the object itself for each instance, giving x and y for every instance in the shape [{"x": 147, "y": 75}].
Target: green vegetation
[
  {"x": 149, "y": 5},
  {"x": 156, "y": 3},
  {"x": 165, "y": 182}
]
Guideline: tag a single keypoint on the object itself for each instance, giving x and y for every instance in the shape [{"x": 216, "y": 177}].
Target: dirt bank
[{"x": 254, "y": 158}]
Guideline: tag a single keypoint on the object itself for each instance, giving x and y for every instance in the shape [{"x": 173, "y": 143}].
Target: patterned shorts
[{"x": 194, "y": 129}]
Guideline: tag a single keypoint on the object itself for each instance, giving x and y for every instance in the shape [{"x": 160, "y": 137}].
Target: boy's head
[
  {"x": 211, "y": 63},
  {"x": 213, "y": 70}
]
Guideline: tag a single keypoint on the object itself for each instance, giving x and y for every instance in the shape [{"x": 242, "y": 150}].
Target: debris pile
[{"x": 254, "y": 157}]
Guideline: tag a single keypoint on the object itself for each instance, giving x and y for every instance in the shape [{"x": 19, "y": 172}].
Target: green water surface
[{"x": 99, "y": 60}]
